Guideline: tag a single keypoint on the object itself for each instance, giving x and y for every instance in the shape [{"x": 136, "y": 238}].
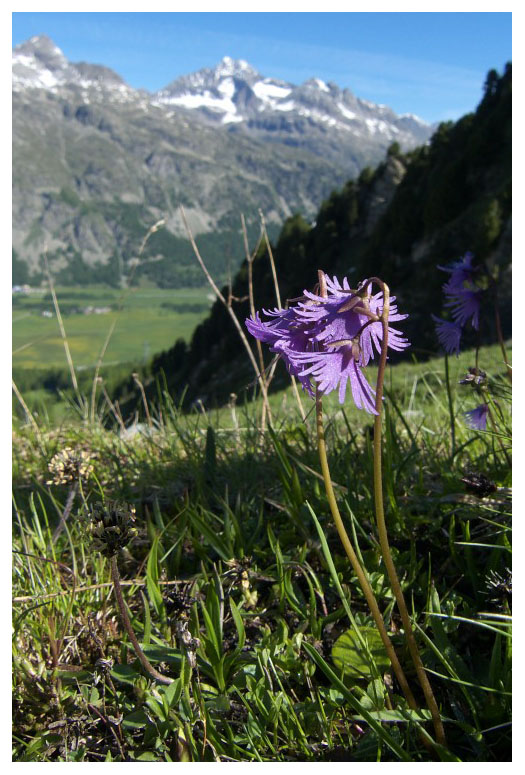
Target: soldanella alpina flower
[
  {"x": 477, "y": 418},
  {"x": 449, "y": 334},
  {"x": 463, "y": 292},
  {"x": 329, "y": 339}
]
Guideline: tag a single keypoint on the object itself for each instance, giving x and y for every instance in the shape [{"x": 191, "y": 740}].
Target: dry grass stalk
[
  {"x": 227, "y": 305},
  {"x": 124, "y": 294},
  {"x": 250, "y": 258},
  {"x": 144, "y": 399},
  {"x": 279, "y": 304},
  {"x": 26, "y": 409},
  {"x": 63, "y": 332}
]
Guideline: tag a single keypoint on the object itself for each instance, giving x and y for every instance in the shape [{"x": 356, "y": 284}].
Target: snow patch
[
  {"x": 349, "y": 114},
  {"x": 23, "y": 59},
  {"x": 227, "y": 87},
  {"x": 209, "y": 100},
  {"x": 375, "y": 126},
  {"x": 414, "y": 118},
  {"x": 231, "y": 118},
  {"x": 268, "y": 92},
  {"x": 321, "y": 85},
  {"x": 228, "y": 66},
  {"x": 290, "y": 105}
]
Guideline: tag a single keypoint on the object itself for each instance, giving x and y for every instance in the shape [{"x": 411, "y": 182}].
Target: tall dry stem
[
  {"x": 250, "y": 257},
  {"x": 227, "y": 305},
  {"x": 279, "y": 304},
  {"x": 63, "y": 333},
  {"x": 120, "y": 304},
  {"x": 26, "y": 409}
]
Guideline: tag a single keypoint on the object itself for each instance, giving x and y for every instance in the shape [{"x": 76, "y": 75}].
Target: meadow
[
  {"x": 150, "y": 320},
  {"x": 239, "y": 591}
]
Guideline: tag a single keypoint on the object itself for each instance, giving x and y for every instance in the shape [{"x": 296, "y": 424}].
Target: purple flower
[
  {"x": 465, "y": 305},
  {"x": 464, "y": 297},
  {"x": 331, "y": 339},
  {"x": 286, "y": 338},
  {"x": 461, "y": 272},
  {"x": 477, "y": 418},
  {"x": 449, "y": 334},
  {"x": 334, "y": 369}
]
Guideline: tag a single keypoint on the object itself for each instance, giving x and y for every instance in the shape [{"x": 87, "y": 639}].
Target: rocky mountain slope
[{"x": 96, "y": 163}]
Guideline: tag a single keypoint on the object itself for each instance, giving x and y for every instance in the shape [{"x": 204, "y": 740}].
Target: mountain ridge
[{"x": 96, "y": 163}]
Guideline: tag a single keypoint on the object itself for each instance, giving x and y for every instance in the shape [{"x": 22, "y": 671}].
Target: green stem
[
  {"x": 358, "y": 570},
  {"x": 500, "y": 339},
  {"x": 383, "y": 535},
  {"x": 450, "y": 408},
  {"x": 148, "y": 667}
]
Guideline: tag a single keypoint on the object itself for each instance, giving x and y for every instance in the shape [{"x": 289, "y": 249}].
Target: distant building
[{"x": 96, "y": 310}]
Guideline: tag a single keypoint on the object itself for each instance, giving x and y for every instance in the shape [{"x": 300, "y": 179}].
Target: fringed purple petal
[
  {"x": 449, "y": 335},
  {"x": 466, "y": 305},
  {"x": 477, "y": 418},
  {"x": 304, "y": 336}
]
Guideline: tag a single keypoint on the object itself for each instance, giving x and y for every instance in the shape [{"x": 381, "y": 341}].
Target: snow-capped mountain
[
  {"x": 234, "y": 92},
  {"x": 39, "y": 64},
  {"x": 96, "y": 162}
]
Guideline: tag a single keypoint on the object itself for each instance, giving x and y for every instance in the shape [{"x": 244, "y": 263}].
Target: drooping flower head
[
  {"x": 463, "y": 291},
  {"x": 329, "y": 338},
  {"x": 461, "y": 272},
  {"x": 477, "y": 418},
  {"x": 449, "y": 334}
]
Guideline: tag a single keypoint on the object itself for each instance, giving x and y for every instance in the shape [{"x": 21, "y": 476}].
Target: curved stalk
[
  {"x": 501, "y": 340},
  {"x": 350, "y": 552},
  {"x": 383, "y": 535},
  {"x": 148, "y": 667}
]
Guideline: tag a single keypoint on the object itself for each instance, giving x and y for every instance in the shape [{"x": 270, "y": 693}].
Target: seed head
[
  {"x": 478, "y": 484},
  {"x": 499, "y": 585},
  {"x": 111, "y": 526},
  {"x": 70, "y": 465},
  {"x": 475, "y": 377}
]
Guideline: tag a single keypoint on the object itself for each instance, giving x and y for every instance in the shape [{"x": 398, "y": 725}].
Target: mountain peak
[
  {"x": 234, "y": 67},
  {"x": 39, "y": 63},
  {"x": 44, "y": 50}
]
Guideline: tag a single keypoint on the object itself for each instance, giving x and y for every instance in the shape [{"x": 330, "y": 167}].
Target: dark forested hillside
[{"x": 399, "y": 221}]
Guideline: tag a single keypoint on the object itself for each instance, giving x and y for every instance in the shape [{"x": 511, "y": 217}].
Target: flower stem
[
  {"x": 67, "y": 510},
  {"x": 383, "y": 535},
  {"x": 148, "y": 667},
  {"x": 450, "y": 408},
  {"x": 358, "y": 570},
  {"x": 501, "y": 341}
]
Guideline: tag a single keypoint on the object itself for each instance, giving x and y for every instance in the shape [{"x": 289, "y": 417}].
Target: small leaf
[
  {"x": 239, "y": 624},
  {"x": 124, "y": 673},
  {"x": 172, "y": 692},
  {"x": 349, "y": 656},
  {"x": 135, "y": 720}
]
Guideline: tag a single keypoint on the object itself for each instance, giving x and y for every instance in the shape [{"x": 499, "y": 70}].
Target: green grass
[
  {"x": 235, "y": 543},
  {"x": 150, "y": 321}
]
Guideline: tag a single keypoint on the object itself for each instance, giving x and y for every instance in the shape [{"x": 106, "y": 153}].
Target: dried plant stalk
[{"x": 227, "y": 305}]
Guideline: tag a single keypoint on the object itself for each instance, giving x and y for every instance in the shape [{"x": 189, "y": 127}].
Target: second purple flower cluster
[
  {"x": 463, "y": 294},
  {"x": 330, "y": 338}
]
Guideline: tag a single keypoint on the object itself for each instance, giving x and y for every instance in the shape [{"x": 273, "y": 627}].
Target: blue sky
[{"x": 431, "y": 64}]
